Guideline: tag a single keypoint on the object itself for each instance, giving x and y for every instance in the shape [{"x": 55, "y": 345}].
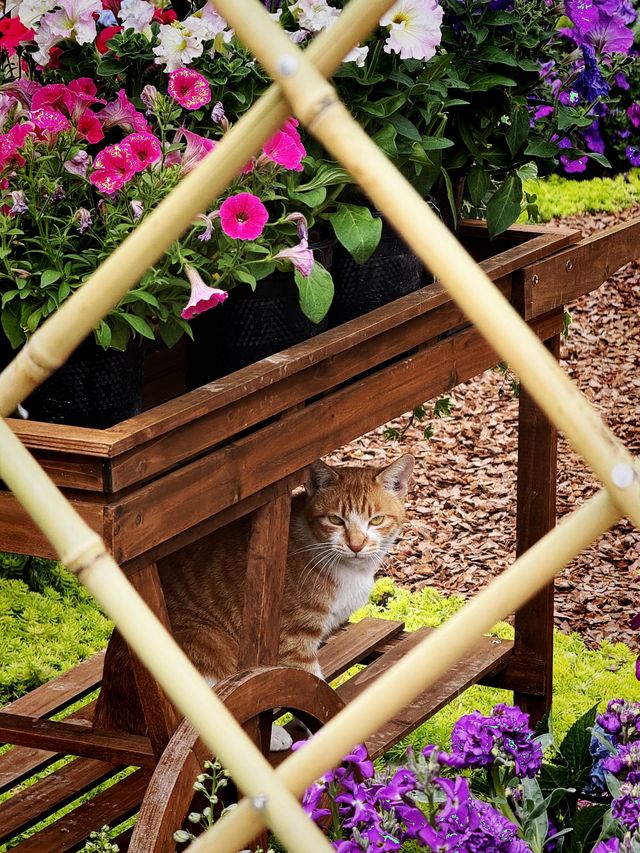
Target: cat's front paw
[{"x": 280, "y": 739}]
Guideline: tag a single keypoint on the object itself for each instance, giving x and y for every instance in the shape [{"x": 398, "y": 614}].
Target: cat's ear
[
  {"x": 395, "y": 477},
  {"x": 321, "y": 475}
]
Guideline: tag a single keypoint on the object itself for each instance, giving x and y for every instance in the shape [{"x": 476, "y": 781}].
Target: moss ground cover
[{"x": 557, "y": 196}]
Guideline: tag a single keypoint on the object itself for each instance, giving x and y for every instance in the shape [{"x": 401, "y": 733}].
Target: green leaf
[
  {"x": 103, "y": 335},
  {"x": 541, "y": 148},
  {"x": 385, "y": 139},
  {"x": 574, "y": 749},
  {"x": 518, "y": 129},
  {"x": 479, "y": 184},
  {"x": 503, "y": 207},
  {"x": 315, "y": 291},
  {"x": 587, "y": 826},
  {"x": 120, "y": 335},
  {"x": 435, "y": 143},
  {"x": 171, "y": 331},
  {"x": 357, "y": 230},
  {"x": 48, "y": 277},
  {"x": 485, "y": 81},
  {"x": 312, "y": 198},
  {"x": 405, "y": 127},
  {"x": 326, "y": 175},
  {"x": 494, "y": 54},
  {"x": 139, "y": 325},
  {"x": 12, "y": 329},
  {"x": 246, "y": 277}
]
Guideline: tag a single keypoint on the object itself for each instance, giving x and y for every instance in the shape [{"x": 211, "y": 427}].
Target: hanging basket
[
  {"x": 95, "y": 388},
  {"x": 250, "y": 326}
]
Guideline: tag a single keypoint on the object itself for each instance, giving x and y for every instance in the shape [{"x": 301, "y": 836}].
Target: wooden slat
[
  {"x": 353, "y": 643},
  {"x": 21, "y": 762},
  {"x": 487, "y": 656},
  {"x": 109, "y": 807},
  {"x": 47, "y": 795},
  {"x": 565, "y": 276},
  {"x": 173, "y": 503},
  {"x": 70, "y": 739},
  {"x": 20, "y": 535},
  {"x": 61, "y": 691}
]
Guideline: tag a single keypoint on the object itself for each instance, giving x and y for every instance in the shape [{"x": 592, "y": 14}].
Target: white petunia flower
[
  {"x": 314, "y": 15},
  {"x": 357, "y": 55},
  {"x": 136, "y": 14},
  {"x": 30, "y": 11},
  {"x": 414, "y": 28},
  {"x": 76, "y": 20},
  {"x": 177, "y": 47}
]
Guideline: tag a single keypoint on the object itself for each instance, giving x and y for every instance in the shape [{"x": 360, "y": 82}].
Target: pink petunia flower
[
  {"x": 196, "y": 149},
  {"x": 189, "y": 88},
  {"x": 48, "y": 120},
  {"x": 80, "y": 95},
  {"x": 52, "y": 95},
  {"x": 145, "y": 147},
  {"x": 243, "y": 216},
  {"x": 301, "y": 256},
  {"x": 113, "y": 167},
  {"x": 122, "y": 113},
  {"x": 88, "y": 127},
  {"x": 202, "y": 296},
  {"x": 285, "y": 147}
]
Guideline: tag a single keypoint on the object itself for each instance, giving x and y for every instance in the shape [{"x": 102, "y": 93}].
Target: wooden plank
[
  {"x": 519, "y": 253},
  {"x": 160, "y": 715},
  {"x": 19, "y": 534},
  {"x": 488, "y": 655},
  {"x": 536, "y": 515},
  {"x": 109, "y": 807},
  {"x": 70, "y": 739},
  {"x": 354, "y": 642},
  {"x": 21, "y": 762},
  {"x": 61, "y": 691},
  {"x": 565, "y": 276},
  {"x": 183, "y": 498},
  {"x": 264, "y": 584},
  {"x": 31, "y": 805}
]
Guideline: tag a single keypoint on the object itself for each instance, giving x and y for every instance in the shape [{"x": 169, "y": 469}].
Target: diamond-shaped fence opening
[{"x": 271, "y": 795}]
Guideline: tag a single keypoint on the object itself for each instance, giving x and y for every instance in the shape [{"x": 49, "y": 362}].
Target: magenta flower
[
  {"x": 145, "y": 148},
  {"x": 113, "y": 167},
  {"x": 243, "y": 216},
  {"x": 202, "y": 296},
  {"x": 89, "y": 127},
  {"x": 52, "y": 95},
  {"x": 48, "y": 120},
  {"x": 189, "y": 88},
  {"x": 196, "y": 149},
  {"x": 285, "y": 147}
]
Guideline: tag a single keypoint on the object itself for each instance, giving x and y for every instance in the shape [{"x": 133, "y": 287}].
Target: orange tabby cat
[{"x": 341, "y": 529}]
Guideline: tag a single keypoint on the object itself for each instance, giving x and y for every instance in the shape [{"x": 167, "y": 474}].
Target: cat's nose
[{"x": 356, "y": 547}]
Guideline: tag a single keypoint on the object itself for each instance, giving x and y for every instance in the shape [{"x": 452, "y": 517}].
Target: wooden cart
[{"x": 238, "y": 446}]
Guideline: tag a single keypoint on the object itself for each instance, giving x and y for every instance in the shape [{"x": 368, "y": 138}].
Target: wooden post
[
  {"x": 536, "y": 515},
  {"x": 160, "y": 715}
]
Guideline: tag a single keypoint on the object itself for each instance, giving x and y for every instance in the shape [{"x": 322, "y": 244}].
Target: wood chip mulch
[{"x": 460, "y": 528}]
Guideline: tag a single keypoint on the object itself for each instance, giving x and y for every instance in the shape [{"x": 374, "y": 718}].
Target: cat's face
[{"x": 358, "y": 512}]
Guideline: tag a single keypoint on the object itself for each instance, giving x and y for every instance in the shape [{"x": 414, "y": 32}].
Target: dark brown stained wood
[
  {"x": 160, "y": 715},
  {"x": 164, "y": 508},
  {"x": 245, "y": 694},
  {"x": 46, "y": 796},
  {"x": 264, "y": 585},
  {"x": 214, "y": 522},
  {"x": 488, "y": 655},
  {"x": 21, "y": 762},
  {"x": 19, "y": 534},
  {"x": 573, "y": 272},
  {"x": 61, "y": 691},
  {"x": 536, "y": 515},
  {"x": 109, "y": 807},
  {"x": 353, "y": 643},
  {"x": 70, "y": 739}
]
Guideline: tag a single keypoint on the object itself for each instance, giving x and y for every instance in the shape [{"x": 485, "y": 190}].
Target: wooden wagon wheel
[{"x": 246, "y": 694}]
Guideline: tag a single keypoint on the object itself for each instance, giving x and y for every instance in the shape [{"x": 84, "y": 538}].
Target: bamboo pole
[
  {"x": 83, "y": 552},
  {"x": 421, "y": 666},
  {"x": 52, "y": 344},
  {"x": 316, "y": 104}
]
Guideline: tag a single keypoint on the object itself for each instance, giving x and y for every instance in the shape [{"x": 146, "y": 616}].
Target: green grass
[{"x": 557, "y": 196}]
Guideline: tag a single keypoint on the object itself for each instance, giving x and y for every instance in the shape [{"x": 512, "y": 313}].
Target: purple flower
[
  {"x": 84, "y": 219},
  {"x": 359, "y": 757},
  {"x": 19, "y": 200},
  {"x": 590, "y": 83},
  {"x": 472, "y": 739},
  {"x": 626, "y": 809},
  {"x": 78, "y": 164},
  {"x": 633, "y": 114},
  {"x": 610, "y": 846}
]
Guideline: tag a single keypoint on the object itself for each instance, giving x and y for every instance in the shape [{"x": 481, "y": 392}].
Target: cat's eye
[
  {"x": 335, "y": 519},
  {"x": 376, "y": 520}
]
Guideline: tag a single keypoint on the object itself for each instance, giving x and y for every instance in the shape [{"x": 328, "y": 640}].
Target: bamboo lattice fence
[{"x": 301, "y": 88}]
